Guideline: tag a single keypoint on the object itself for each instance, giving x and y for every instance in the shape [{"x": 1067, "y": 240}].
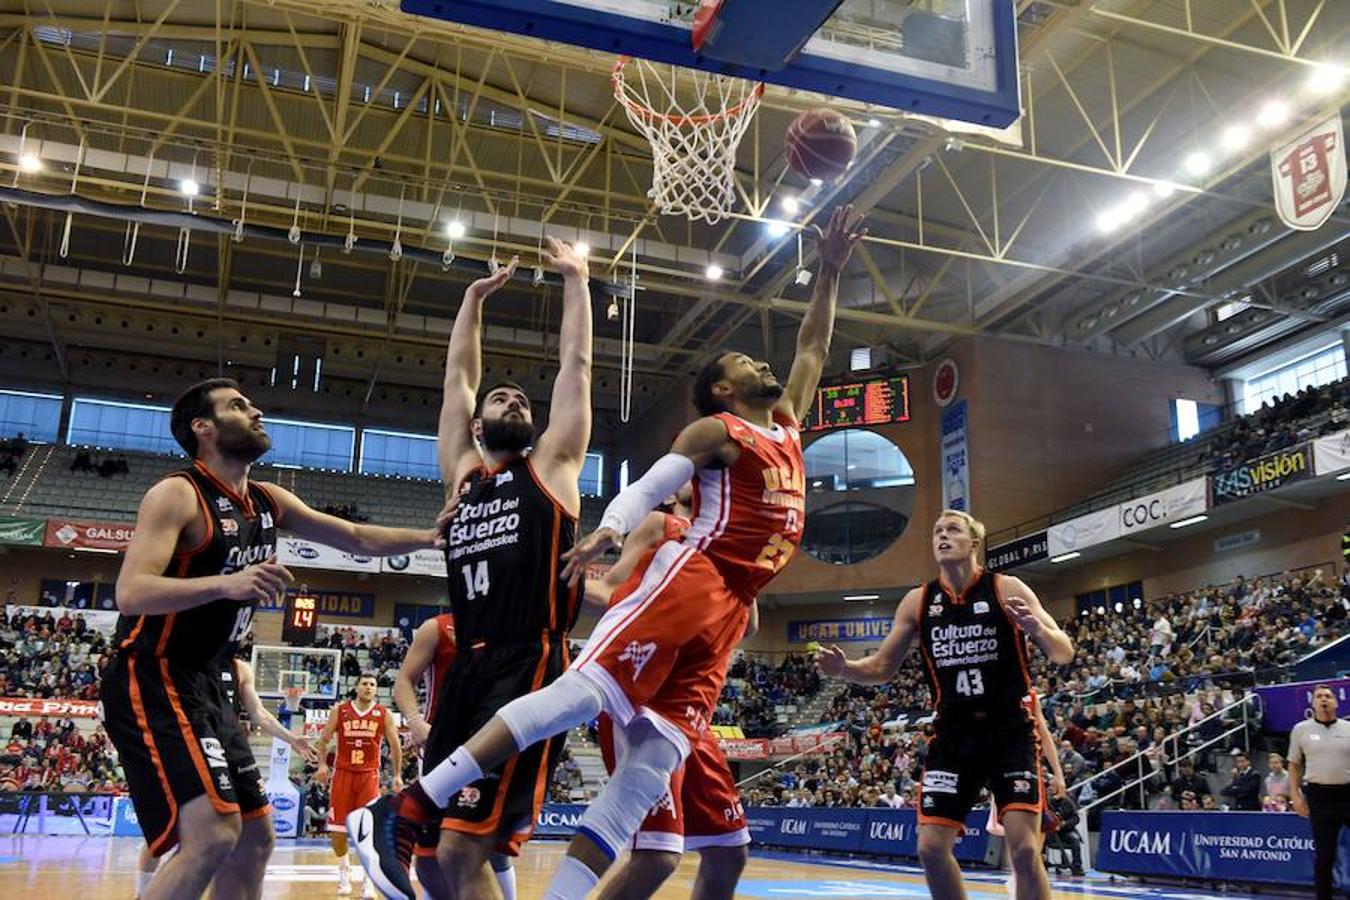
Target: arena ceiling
[{"x": 1083, "y": 226}]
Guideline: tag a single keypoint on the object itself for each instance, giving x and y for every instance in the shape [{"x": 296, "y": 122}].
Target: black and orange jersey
[
  {"x": 975, "y": 657},
  {"x": 502, "y": 552},
  {"x": 240, "y": 532}
]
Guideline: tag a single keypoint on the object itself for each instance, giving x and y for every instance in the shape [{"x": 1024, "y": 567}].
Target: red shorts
[
  {"x": 661, "y": 651},
  {"x": 351, "y": 789},
  {"x": 701, "y": 808}
]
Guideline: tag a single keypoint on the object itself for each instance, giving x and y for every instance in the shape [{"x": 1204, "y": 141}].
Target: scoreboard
[
  {"x": 299, "y": 619},
  {"x": 876, "y": 402}
]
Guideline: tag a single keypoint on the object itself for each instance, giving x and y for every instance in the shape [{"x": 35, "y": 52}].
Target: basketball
[{"x": 820, "y": 144}]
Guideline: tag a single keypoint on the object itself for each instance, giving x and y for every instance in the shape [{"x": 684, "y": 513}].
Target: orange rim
[{"x": 646, "y": 112}]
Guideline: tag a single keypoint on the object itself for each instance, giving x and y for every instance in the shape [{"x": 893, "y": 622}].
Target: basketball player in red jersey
[
  {"x": 702, "y": 809},
  {"x": 972, "y": 628},
  {"x": 657, "y": 659},
  {"x": 428, "y": 660},
  {"x": 360, "y": 725},
  {"x": 202, "y": 557}
]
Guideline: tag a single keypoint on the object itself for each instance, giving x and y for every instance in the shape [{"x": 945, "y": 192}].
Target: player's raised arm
[
  {"x": 259, "y": 715},
  {"x": 143, "y": 590},
  {"x": 561, "y": 450},
  {"x": 455, "y": 450},
  {"x": 704, "y": 443},
  {"x": 370, "y": 540},
  {"x": 834, "y": 245},
  {"x": 1026, "y": 611},
  {"x": 599, "y": 590},
  {"x": 420, "y": 657},
  {"x": 879, "y": 667}
]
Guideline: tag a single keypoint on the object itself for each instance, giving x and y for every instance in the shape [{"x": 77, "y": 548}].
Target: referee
[{"x": 1319, "y": 748}]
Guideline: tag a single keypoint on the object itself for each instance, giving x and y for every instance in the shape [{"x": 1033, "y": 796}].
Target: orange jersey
[
  {"x": 434, "y": 676},
  {"x": 359, "y": 737},
  {"x": 748, "y": 517},
  {"x": 674, "y": 528}
]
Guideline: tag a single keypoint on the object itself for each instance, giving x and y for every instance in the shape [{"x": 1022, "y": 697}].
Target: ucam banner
[
  {"x": 1285, "y": 705},
  {"x": 839, "y": 630},
  {"x": 21, "y": 530},
  {"x": 1016, "y": 553},
  {"x": 1094, "y": 528},
  {"x": 1265, "y": 473},
  {"x": 419, "y": 562},
  {"x": 1172, "y": 504},
  {"x": 955, "y": 458},
  {"x": 1331, "y": 453},
  {"x": 1215, "y": 846},
  {"x": 1309, "y": 175},
  {"x": 292, "y": 551}
]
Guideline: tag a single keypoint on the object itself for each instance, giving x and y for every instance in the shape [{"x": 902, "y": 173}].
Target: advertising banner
[
  {"x": 21, "y": 530},
  {"x": 1267, "y": 847},
  {"x": 36, "y": 707},
  {"x": 125, "y": 823},
  {"x": 884, "y": 832},
  {"x": 292, "y": 551},
  {"x": 1016, "y": 553},
  {"x": 558, "y": 820},
  {"x": 1265, "y": 473},
  {"x": 955, "y": 458},
  {"x": 1331, "y": 453},
  {"x": 419, "y": 562},
  {"x": 350, "y": 604},
  {"x": 839, "y": 630},
  {"x": 1285, "y": 705},
  {"x": 1094, "y": 528},
  {"x": 71, "y": 534},
  {"x": 1170, "y": 505}
]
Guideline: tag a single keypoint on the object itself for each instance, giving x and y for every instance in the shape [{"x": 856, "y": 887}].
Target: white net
[{"x": 694, "y": 121}]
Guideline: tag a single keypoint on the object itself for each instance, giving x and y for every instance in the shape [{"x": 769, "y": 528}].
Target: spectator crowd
[
  {"x": 11, "y": 451},
  {"x": 1283, "y": 422}
]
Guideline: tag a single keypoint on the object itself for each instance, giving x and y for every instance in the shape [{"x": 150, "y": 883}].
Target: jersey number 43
[{"x": 970, "y": 682}]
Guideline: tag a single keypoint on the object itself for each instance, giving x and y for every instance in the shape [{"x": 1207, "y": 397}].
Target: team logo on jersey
[
  {"x": 937, "y": 782},
  {"x": 1021, "y": 786},
  {"x": 229, "y": 527},
  {"x": 980, "y": 607},
  {"x": 266, "y": 520},
  {"x": 469, "y": 797},
  {"x": 935, "y": 609},
  {"x": 639, "y": 655},
  {"x": 223, "y": 779},
  {"x": 927, "y": 802},
  {"x": 666, "y": 804},
  {"x": 224, "y": 504},
  {"x": 215, "y": 753},
  {"x": 505, "y": 478}
]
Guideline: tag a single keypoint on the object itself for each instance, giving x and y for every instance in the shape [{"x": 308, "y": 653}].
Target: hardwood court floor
[{"x": 101, "y": 868}]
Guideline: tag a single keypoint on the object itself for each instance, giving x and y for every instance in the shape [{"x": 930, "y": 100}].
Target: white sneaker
[
  {"x": 368, "y": 891},
  {"x": 344, "y": 883}
]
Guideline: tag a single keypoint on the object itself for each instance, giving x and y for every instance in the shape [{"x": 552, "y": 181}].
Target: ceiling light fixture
[
  {"x": 713, "y": 272},
  {"x": 1197, "y": 162},
  {"x": 1065, "y": 557},
  {"x": 189, "y": 187},
  {"x": 1274, "y": 114},
  {"x": 456, "y": 229},
  {"x": 30, "y": 163},
  {"x": 1193, "y": 520}
]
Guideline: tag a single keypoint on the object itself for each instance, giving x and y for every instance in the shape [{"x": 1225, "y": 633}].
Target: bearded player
[
  {"x": 972, "y": 628},
  {"x": 518, "y": 503},
  {"x": 202, "y": 557},
  {"x": 657, "y": 659},
  {"x": 428, "y": 660}
]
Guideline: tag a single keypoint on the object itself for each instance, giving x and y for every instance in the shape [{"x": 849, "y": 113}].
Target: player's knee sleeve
[
  {"x": 569, "y": 701},
  {"x": 639, "y": 780}
]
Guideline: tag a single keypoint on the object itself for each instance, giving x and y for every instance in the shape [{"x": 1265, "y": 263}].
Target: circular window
[{"x": 860, "y": 494}]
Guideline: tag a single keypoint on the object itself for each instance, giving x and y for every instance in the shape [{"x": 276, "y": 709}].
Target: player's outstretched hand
[
  {"x": 587, "y": 549},
  {"x": 258, "y": 583},
  {"x": 305, "y": 747},
  {"x": 835, "y": 244},
  {"x": 1022, "y": 614},
  {"x": 564, "y": 257},
  {"x": 831, "y": 661},
  {"x": 442, "y": 520},
  {"x": 485, "y": 287}
]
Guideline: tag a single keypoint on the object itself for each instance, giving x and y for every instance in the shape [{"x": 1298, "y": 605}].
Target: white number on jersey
[
  {"x": 475, "y": 579},
  {"x": 970, "y": 683},
  {"x": 242, "y": 620}
]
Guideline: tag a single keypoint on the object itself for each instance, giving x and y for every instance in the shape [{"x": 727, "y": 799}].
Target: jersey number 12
[
  {"x": 970, "y": 683},
  {"x": 475, "y": 579}
]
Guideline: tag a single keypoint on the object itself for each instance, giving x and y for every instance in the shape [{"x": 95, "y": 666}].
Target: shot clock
[{"x": 299, "y": 619}]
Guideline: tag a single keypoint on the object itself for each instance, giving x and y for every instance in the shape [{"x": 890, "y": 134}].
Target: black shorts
[
  {"x": 964, "y": 758},
  {"x": 505, "y": 803},
  {"x": 177, "y": 739}
]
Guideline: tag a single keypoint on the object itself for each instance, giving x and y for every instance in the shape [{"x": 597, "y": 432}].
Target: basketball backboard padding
[
  {"x": 953, "y": 59},
  {"x": 737, "y": 33}
]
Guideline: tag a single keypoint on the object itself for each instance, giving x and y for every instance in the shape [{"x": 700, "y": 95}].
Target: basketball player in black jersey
[
  {"x": 972, "y": 628},
  {"x": 517, "y": 512},
  {"x": 202, "y": 557}
]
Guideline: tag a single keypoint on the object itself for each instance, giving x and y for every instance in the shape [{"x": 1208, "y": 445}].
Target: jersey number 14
[{"x": 475, "y": 579}]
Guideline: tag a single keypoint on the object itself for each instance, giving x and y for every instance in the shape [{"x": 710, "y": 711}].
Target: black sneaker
[{"x": 384, "y": 842}]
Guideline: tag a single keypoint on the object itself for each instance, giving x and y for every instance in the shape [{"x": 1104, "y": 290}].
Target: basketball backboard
[{"x": 955, "y": 59}]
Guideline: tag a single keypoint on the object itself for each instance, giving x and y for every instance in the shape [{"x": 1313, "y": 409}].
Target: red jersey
[
  {"x": 748, "y": 517},
  {"x": 359, "y": 736},
  {"x": 434, "y": 676},
  {"x": 674, "y": 528}
]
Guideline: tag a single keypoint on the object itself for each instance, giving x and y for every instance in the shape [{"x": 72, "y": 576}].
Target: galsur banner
[{"x": 73, "y": 534}]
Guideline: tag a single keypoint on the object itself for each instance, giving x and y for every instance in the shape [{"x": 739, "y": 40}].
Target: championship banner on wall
[
  {"x": 36, "y": 707},
  {"x": 839, "y": 630},
  {"x": 21, "y": 530},
  {"x": 1309, "y": 175},
  {"x": 1174, "y": 503},
  {"x": 1265, "y": 473},
  {"x": 310, "y": 555},
  {"x": 419, "y": 562},
  {"x": 1215, "y": 846},
  {"x": 1016, "y": 553},
  {"x": 955, "y": 458},
  {"x": 1094, "y": 528},
  {"x": 71, "y": 534},
  {"x": 1331, "y": 453}
]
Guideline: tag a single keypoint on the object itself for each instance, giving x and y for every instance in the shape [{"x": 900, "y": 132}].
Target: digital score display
[
  {"x": 299, "y": 619},
  {"x": 878, "y": 402}
]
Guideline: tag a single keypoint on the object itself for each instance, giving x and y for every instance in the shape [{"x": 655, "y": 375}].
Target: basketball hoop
[
  {"x": 294, "y": 696},
  {"x": 694, "y": 139}
]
